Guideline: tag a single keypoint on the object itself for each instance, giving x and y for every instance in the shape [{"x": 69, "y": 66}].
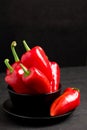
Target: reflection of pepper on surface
[
  {"x": 68, "y": 101},
  {"x": 35, "y": 80}
]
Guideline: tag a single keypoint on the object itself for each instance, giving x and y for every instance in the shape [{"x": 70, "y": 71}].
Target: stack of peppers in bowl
[{"x": 33, "y": 75}]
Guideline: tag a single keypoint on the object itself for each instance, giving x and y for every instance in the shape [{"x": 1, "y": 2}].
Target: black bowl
[{"x": 33, "y": 105}]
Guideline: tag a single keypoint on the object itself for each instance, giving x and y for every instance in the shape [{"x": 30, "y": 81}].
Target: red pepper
[
  {"x": 14, "y": 78},
  {"x": 14, "y": 72},
  {"x": 36, "y": 57},
  {"x": 68, "y": 101},
  {"x": 35, "y": 80},
  {"x": 55, "y": 76}
]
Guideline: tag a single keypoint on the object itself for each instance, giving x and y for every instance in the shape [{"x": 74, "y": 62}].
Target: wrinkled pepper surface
[{"x": 68, "y": 101}]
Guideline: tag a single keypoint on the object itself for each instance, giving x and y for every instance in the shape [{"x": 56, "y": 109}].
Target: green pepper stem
[
  {"x": 26, "y": 71},
  {"x": 26, "y": 46},
  {"x": 76, "y": 89},
  {"x": 13, "y": 44},
  {"x": 6, "y": 61}
]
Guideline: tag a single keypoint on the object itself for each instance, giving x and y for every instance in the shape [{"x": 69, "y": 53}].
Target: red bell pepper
[
  {"x": 35, "y": 80},
  {"x": 68, "y": 101},
  {"x": 36, "y": 57},
  {"x": 14, "y": 72},
  {"x": 14, "y": 78},
  {"x": 55, "y": 76}
]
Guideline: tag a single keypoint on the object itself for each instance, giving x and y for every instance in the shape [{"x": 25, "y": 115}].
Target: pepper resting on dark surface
[
  {"x": 55, "y": 76},
  {"x": 35, "y": 80},
  {"x": 68, "y": 101},
  {"x": 36, "y": 57}
]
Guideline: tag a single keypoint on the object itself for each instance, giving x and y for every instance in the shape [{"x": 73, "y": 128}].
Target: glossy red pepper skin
[
  {"x": 36, "y": 57},
  {"x": 68, "y": 101},
  {"x": 14, "y": 73},
  {"x": 14, "y": 65},
  {"x": 36, "y": 82},
  {"x": 55, "y": 76},
  {"x": 14, "y": 79}
]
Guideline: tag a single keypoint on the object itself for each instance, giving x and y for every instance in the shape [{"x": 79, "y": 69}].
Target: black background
[{"x": 59, "y": 26}]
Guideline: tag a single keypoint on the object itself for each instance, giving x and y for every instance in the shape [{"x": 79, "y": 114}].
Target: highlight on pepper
[
  {"x": 44, "y": 74},
  {"x": 34, "y": 73},
  {"x": 68, "y": 101}
]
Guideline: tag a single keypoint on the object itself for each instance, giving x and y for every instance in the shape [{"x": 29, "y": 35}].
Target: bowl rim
[{"x": 23, "y": 94}]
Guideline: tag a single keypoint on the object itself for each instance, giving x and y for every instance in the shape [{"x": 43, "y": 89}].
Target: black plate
[{"x": 38, "y": 120}]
